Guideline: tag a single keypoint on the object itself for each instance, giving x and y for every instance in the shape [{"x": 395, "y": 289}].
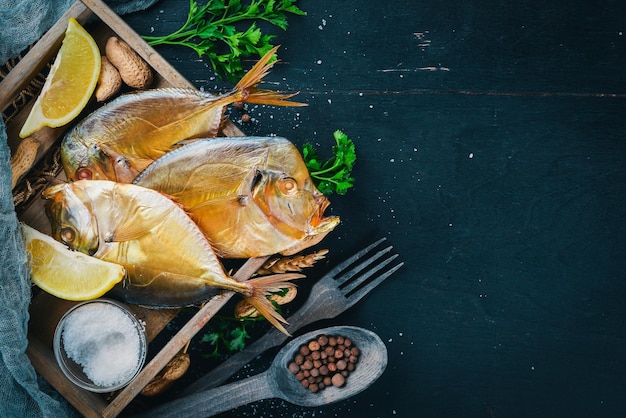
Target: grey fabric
[{"x": 22, "y": 392}]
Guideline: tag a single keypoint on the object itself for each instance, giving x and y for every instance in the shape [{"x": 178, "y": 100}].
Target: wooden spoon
[{"x": 279, "y": 382}]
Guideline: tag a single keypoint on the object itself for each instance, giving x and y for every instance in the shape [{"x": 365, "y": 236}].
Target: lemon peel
[
  {"x": 67, "y": 274},
  {"x": 70, "y": 83}
]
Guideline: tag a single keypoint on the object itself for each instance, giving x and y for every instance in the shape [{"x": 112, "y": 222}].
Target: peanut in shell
[
  {"x": 135, "y": 72},
  {"x": 23, "y": 158},
  {"x": 109, "y": 81},
  {"x": 172, "y": 371}
]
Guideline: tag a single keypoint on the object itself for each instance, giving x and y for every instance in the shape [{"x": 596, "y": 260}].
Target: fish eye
[
  {"x": 288, "y": 186},
  {"x": 68, "y": 235},
  {"x": 84, "y": 174}
]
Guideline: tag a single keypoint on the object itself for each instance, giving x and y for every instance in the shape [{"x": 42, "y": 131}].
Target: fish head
[
  {"x": 71, "y": 217},
  {"x": 292, "y": 203},
  {"x": 88, "y": 160}
]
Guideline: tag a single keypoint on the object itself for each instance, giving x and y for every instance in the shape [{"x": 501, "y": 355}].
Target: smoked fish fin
[
  {"x": 246, "y": 91},
  {"x": 129, "y": 219},
  {"x": 261, "y": 288}
]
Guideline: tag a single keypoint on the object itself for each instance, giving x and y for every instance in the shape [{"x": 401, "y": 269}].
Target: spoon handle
[{"x": 220, "y": 399}]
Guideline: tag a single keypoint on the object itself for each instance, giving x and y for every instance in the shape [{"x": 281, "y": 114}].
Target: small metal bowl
[{"x": 95, "y": 343}]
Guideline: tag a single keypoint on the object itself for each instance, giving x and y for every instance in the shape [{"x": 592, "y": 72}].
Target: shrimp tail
[{"x": 261, "y": 287}]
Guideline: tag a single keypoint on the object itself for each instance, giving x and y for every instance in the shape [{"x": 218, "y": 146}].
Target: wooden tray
[{"x": 46, "y": 310}]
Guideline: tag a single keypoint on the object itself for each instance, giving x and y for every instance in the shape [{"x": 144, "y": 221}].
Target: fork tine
[
  {"x": 358, "y": 295},
  {"x": 361, "y": 279},
  {"x": 344, "y": 264},
  {"x": 366, "y": 262}
]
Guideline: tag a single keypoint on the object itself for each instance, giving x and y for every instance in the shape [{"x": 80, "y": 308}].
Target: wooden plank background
[{"x": 491, "y": 153}]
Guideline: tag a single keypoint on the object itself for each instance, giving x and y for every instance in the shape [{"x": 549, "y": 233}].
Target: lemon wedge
[
  {"x": 70, "y": 83},
  {"x": 67, "y": 274}
]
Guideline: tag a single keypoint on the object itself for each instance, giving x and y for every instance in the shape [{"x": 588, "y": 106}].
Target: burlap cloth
[{"x": 22, "y": 392}]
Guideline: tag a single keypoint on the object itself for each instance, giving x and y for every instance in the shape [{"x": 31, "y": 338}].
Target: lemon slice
[
  {"x": 70, "y": 83},
  {"x": 67, "y": 274}
]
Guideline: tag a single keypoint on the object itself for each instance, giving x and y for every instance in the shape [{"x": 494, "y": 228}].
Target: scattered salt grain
[{"x": 104, "y": 341}]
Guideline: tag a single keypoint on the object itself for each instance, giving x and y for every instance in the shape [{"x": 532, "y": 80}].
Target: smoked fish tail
[
  {"x": 272, "y": 98},
  {"x": 246, "y": 87},
  {"x": 261, "y": 288}
]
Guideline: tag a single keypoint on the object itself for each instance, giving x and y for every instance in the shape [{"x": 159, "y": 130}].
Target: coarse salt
[{"x": 104, "y": 341}]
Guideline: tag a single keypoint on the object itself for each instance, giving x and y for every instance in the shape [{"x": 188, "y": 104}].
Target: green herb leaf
[
  {"x": 227, "y": 334},
  {"x": 334, "y": 175},
  {"x": 238, "y": 341},
  {"x": 211, "y": 31},
  {"x": 211, "y": 338}
]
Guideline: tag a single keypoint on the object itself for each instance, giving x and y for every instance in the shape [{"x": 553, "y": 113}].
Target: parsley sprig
[
  {"x": 211, "y": 30},
  {"x": 334, "y": 174},
  {"x": 228, "y": 335}
]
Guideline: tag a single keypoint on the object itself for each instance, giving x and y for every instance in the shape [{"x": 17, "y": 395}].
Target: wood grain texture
[
  {"x": 490, "y": 142},
  {"x": 42, "y": 358},
  {"x": 333, "y": 294},
  {"x": 279, "y": 382},
  {"x": 46, "y": 310},
  {"x": 178, "y": 341},
  {"x": 38, "y": 55}
]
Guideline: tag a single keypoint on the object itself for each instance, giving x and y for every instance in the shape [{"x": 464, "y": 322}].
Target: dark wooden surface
[{"x": 491, "y": 153}]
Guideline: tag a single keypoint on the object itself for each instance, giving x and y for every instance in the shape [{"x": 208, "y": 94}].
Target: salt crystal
[{"x": 104, "y": 341}]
